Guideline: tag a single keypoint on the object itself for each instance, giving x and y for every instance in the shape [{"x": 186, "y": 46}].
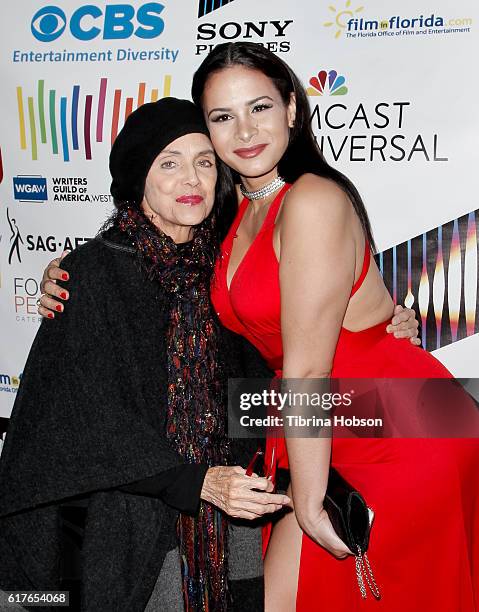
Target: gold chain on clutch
[{"x": 363, "y": 567}]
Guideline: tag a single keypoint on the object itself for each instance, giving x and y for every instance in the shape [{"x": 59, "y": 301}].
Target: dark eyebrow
[
  {"x": 258, "y": 99},
  {"x": 170, "y": 152},
  {"x": 206, "y": 152},
  {"x": 249, "y": 103}
]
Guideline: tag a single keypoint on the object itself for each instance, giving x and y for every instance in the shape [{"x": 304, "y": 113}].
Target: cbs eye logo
[
  {"x": 114, "y": 21},
  {"x": 48, "y": 23}
]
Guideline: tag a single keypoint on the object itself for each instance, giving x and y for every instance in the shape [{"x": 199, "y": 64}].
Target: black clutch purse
[{"x": 351, "y": 519}]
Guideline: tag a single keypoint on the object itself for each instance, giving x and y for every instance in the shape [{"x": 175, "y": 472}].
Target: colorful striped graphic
[
  {"x": 76, "y": 95},
  {"x": 438, "y": 287},
  {"x": 21, "y": 119},
  {"x": 63, "y": 127},
  {"x": 423, "y": 293},
  {"x": 48, "y": 117},
  {"x": 87, "y": 126},
  {"x": 128, "y": 107},
  {"x": 101, "y": 110},
  {"x": 141, "y": 94},
  {"x": 409, "y": 299},
  {"x": 470, "y": 273},
  {"x": 437, "y": 274},
  {"x": 395, "y": 283},
  {"x": 53, "y": 121},
  {"x": 454, "y": 281},
  {"x": 116, "y": 115},
  {"x": 33, "y": 130},
  {"x": 41, "y": 111}
]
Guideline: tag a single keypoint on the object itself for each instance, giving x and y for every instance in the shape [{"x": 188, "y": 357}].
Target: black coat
[{"x": 89, "y": 418}]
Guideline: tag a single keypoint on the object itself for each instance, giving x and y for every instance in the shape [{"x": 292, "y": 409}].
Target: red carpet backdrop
[{"x": 393, "y": 99}]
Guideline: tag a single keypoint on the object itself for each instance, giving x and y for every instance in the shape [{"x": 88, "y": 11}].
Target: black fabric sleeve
[
  {"x": 179, "y": 487},
  {"x": 83, "y": 420}
]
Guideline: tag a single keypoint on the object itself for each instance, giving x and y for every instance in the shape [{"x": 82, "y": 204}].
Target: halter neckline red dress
[{"x": 425, "y": 537}]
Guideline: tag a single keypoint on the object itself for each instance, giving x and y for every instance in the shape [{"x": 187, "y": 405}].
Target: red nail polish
[
  {"x": 50, "y": 315},
  {"x": 65, "y": 276},
  {"x": 58, "y": 308},
  {"x": 63, "y": 295}
]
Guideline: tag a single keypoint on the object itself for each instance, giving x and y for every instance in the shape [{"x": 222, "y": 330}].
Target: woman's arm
[
  {"x": 180, "y": 487},
  {"x": 403, "y": 324},
  {"x": 317, "y": 264},
  {"x": 82, "y": 422},
  {"x": 227, "y": 487}
]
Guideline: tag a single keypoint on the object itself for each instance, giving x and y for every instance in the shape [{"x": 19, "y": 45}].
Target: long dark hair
[
  {"x": 224, "y": 210},
  {"x": 303, "y": 153}
]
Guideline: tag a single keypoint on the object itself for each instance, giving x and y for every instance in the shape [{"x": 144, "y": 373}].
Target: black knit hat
[{"x": 146, "y": 132}]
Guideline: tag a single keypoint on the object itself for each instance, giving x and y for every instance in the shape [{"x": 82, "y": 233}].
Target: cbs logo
[{"x": 114, "y": 21}]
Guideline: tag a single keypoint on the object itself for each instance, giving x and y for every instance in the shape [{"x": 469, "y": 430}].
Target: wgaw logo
[
  {"x": 113, "y": 21},
  {"x": 30, "y": 188}
]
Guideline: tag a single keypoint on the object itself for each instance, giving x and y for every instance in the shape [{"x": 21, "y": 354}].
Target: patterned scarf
[{"x": 196, "y": 417}]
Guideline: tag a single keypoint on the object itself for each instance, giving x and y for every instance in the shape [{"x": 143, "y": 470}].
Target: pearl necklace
[{"x": 265, "y": 191}]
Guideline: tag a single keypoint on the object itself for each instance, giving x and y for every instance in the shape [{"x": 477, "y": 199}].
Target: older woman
[{"x": 122, "y": 403}]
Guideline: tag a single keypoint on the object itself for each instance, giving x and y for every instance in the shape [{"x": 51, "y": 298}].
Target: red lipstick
[
  {"x": 249, "y": 152},
  {"x": 190, "y": 199}
]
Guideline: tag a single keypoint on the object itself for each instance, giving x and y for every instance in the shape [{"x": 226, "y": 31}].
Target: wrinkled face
[
  {"x": 180, "y": 185},
  {"x": 248, "y": 120}
]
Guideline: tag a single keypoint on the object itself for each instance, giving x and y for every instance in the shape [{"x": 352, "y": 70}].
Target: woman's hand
[
  {"x": 241, "y": 496},
  {"x": 50, "y": 290},
  {"x": 319, "y": 528},
  {"x": 404, "y": 325}
]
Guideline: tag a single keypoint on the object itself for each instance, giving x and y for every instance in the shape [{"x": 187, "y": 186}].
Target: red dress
[{"x": 424, "y": 544}]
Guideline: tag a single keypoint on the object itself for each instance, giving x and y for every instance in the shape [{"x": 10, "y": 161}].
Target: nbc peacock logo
[{"x": 327, "y": 83}]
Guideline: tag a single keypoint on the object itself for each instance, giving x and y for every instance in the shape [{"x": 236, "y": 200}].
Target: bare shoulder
[{"x": 315, "y": 197}]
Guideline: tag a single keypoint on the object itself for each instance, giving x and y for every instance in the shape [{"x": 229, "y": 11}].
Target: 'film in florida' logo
[
  {"x": 342, "y": 17},
  {"x": 356, "y": 26}
]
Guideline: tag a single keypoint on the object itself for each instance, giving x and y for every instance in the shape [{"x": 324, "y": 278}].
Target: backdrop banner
[{"x": 392, "y": 107}]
